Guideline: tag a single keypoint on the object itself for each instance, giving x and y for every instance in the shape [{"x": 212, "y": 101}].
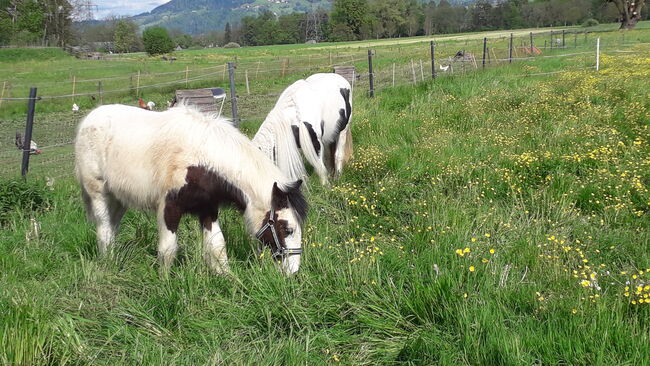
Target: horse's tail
[
  {"x": 312, "y": 148},
  {"x": 344, "y": 144},
  {"x": 345, "y": 140}
]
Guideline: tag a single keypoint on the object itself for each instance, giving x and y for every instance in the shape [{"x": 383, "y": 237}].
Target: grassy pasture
[
  {"x": 269, "y": 68},
  {"x": 486, "y": 219}
]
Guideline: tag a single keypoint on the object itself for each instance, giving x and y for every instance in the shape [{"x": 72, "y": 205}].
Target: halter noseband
[{"x": 281, "y": 251}]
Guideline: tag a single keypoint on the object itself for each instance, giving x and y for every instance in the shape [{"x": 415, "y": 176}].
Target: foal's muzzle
[{"x": 281, "y": 251}]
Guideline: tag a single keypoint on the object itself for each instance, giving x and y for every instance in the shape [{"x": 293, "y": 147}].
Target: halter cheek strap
[{"x": 281, "y": 251}]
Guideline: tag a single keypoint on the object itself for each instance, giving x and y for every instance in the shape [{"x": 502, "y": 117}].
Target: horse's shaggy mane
[
  {"x": 296, "y": 200},
  {"x": 214, "y": 124},
  {"x": 276, "y": 139}
]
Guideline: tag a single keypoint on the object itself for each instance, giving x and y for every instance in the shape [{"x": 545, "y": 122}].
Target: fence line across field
[
  {"x": 220, "y": 66},
  {"x": 179, "y": 81},
  {"x": 407, "y": 72}
]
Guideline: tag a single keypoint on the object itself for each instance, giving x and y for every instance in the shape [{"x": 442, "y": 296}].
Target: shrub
[
  {"x": 591, "y": 22},
  {"x": 21, "y": 195},
  {"x": 231, "y": 45},
  {"x": 157, "y": 41}
]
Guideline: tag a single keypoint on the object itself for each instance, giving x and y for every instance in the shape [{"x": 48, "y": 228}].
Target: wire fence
[{"x": 259, "y": 80}]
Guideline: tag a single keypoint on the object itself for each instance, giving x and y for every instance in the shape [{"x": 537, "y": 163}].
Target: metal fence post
[
  {"x": 371, "y": 76},
  {"x": 233, "y": 93},
  {"x": 433, "y": 60},
  {"x": 29, "y": 125},
  {"x": 510, "y": 51},
  {"x": 484, "y": 49},
  {"x": 563, "y": 38},
  {"x": 531, "y": 43}
]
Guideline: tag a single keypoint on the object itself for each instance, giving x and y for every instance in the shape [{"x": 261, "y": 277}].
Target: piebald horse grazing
[
  {"x": 312, "y": 116},
  {"x": 182, "y": 161}
]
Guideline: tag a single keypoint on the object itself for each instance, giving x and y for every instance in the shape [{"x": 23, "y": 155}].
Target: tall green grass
[{"x": 486, "y": 219}]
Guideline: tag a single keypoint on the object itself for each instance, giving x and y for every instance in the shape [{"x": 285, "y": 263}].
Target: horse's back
[
  {"x": 329, "y": 79},
  {"x": 334, "y": 94},
  {"x": 136, "y": 154}
]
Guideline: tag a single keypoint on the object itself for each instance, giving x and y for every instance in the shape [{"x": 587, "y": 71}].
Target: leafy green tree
[
  {"x": 350, "y": 19},
  {"x": 227, "y": 35},
  {"x": 157, "y": 41},
  {"x": 125, "y": 36}
]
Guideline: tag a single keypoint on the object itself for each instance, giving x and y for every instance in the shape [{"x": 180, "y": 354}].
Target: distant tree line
[
  {"x": 49, "y": 22},
  {"x": 366, "y": 19},
  {"x": 36, "y": 22}
]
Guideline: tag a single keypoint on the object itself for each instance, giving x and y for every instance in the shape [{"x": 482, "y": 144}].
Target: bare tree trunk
[{"x": 630, "y": 11}]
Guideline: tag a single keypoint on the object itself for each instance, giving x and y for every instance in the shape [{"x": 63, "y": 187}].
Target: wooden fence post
[
  {"x": 415, "y": 80},
  {"x": 248, "y": 89},
  {"x": 2, "y": 95},
  {"x": 421, "y": 70},
  {"x": 233, "y": 93},
  {"x": 371, "y": 75},
  {"x": 74, "y": 86},
  {"x": 510, "y": 50},
  {"x": 137, "y": 85}
]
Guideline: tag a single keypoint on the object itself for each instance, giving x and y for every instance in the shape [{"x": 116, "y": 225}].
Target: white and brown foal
[{"x": 184, "y": 162}]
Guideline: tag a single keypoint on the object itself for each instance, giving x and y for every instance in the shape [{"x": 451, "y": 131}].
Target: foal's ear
[
  {"x": 279, "y": 199},
  {"x": 292, "y": 197}
]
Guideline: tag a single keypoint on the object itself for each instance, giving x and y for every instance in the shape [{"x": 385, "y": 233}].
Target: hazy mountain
[{"x": 199, "y": 16}]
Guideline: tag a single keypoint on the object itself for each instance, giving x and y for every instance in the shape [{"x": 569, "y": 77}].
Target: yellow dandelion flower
[
  {"x": 487, "y": 235},
  {"x": 472, "y": 269},
  {"x": 573, "y": 311},
  {"x": 585, "y": 283},
  {"x": 492, "y": 251},
  {"x": 473, "y": 240},
  {"x": 466, "y": 250}
]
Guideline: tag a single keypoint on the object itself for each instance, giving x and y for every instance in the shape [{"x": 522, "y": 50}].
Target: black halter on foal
[{"x": 281, "y": 251}]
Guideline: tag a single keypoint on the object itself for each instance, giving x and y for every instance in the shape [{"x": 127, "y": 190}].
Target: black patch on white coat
[
  {"x": 296, "y": 135},
  {"x": 344, "y": 114},
  {"x": 313, "y": 137},
  {"x": 202, "y": 195}
]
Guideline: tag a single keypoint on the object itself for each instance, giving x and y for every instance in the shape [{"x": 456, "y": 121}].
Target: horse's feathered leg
[
  {"x": 167, "y": 245},
  {"x": 214, "y": 248},
  {"x": 104, "y": 210}
]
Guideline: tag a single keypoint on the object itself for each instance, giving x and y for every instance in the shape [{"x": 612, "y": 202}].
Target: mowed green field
[{"x": 486, "y": 219}]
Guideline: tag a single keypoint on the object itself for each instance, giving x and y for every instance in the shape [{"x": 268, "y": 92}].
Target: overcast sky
[{"x": 124, "y": 7}]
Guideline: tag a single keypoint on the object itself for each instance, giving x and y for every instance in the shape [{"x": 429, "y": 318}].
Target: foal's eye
[{"x": 289, "y": 232}]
